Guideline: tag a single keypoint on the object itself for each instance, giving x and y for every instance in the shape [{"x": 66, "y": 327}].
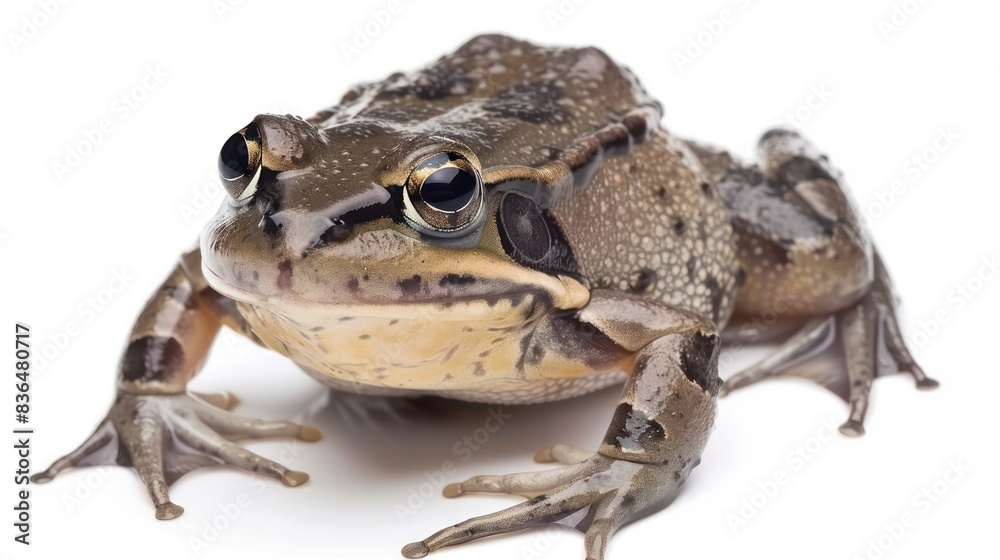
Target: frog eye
[
  {"x": 239, "y": 165},
  {"x": 444, "y": 195}
]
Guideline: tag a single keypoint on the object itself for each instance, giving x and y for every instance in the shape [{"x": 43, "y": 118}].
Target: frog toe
[
  {"x": 139, "y": 445},
  {"x": 844, "y": 352},
  {"x": 608, "y": 516},
  {"x": 223, "y": 399},
  {"x": 595, "y": 497},
  {"x": 101, "y": 448},
  {"x": 923, "y": 382},
  {"x": 164, "y": 437},
  {"x": 562, "y": 453},
  {"x": 528, "y": 484},
  {"x": 541, "y": 510},
  {"x": 237, "y": 428},
  {"x": 814, "y": 336},
  {"x": 195, "y": 433}
]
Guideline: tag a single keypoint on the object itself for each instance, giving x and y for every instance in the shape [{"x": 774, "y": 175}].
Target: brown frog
[{"x": 510, "y": 224}]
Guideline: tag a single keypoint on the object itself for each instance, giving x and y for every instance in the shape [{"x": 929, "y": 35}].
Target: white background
[{"x": 138, "y": 199}]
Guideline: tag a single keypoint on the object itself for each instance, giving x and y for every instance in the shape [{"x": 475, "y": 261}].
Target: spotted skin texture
[
  {"x": 632, "y": 227},
  {"x": 567, "y": 243},
  {"x": 797, "y": 234}
]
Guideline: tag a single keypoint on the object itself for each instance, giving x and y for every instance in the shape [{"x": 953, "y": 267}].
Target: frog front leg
[
  {"x": 155, "y": 426},
  {"x": 656, "y": 436}
]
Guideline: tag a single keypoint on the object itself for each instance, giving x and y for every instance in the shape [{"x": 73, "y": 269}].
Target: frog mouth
[{"x": 517, "y": 302}]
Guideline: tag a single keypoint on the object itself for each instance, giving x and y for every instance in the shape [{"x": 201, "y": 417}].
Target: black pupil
[
  {"x": 448, "y": 189},
  {"x": 234, "y": 158}
]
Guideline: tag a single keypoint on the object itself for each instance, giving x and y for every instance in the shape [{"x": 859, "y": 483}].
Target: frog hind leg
[
  {"x": 844, "y": 353},
  {"x": 806, "y": 256}
]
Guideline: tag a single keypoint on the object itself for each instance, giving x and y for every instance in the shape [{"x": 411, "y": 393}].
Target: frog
[{"x": 511, "y": 224}]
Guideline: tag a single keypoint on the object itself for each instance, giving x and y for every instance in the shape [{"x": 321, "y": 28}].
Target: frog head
[
  {"x": 431, "y": 189},
  {"x": 362, "y": 218},
  {"x": 437, "y": 219}
]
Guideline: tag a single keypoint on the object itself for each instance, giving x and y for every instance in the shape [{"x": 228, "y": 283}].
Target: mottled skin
[{"x": 596, "y": 248}]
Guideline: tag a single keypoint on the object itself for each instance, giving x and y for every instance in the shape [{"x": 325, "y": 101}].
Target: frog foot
[
  {"x": 164, "y": 437},
  {"x": 562, "y": 453},
  {"x": 595, "y": 495},
  {"x": 844, "y": 352}
]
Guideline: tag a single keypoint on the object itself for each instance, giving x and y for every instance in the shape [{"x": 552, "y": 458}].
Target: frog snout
[{"x": 347, "y": 207}]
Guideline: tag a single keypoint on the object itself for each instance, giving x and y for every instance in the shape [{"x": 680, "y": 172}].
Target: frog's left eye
[
  {"x": 444, "y": 195},
  {"x": 239, "y": 165}
]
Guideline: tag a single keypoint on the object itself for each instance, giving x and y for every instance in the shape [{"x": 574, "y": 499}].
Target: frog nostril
[{"x": 339, "y": 231}]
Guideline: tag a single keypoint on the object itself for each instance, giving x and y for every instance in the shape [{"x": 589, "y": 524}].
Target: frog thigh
[
  {"x": 801, "y": 245},
  {"x": 807, "y": 258}
]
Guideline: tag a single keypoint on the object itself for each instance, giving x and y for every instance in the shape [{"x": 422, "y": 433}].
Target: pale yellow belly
[{"x": 467, "y": 350}]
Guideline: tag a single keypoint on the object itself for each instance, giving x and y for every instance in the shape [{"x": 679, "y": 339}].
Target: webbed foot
[
  {"x": 164, "y": 437},
  {"x": 844, "y": 352},
  {"x": 596, "y": 496}
]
